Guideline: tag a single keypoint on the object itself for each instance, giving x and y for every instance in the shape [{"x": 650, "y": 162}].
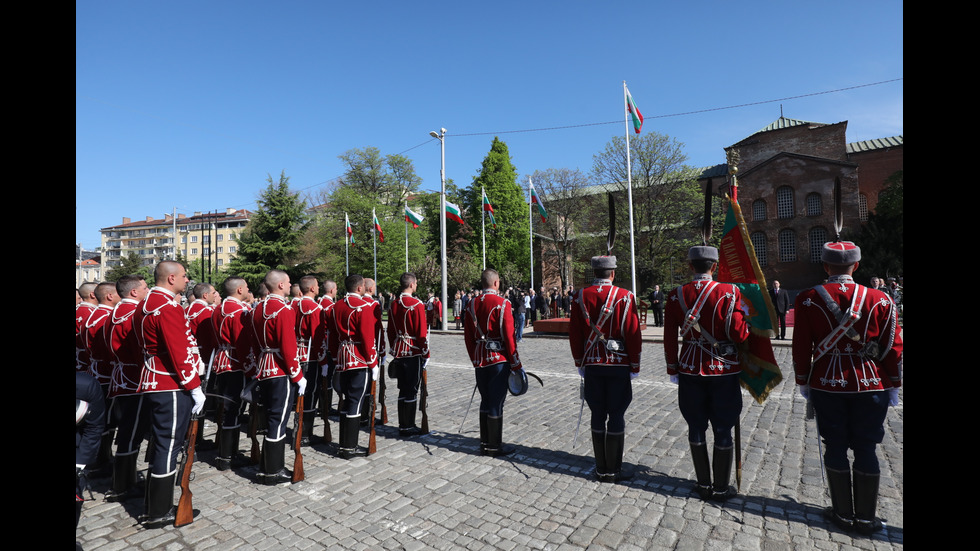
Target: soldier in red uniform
[
  {"x": 352, "y": 328},
  {"x": 199, "y": 314},
  {"x": 379, "y": 343},
  {"x": 83, "y": 309},
  {"x": 228, "y": 369},
  {"x": 278, "y": 372},
  {"x": 321, "y": 344},
  {"x": 100, "y": 363},
  {"x": 124, "y": 387},
  {"x": 605, "y": 340},
  {"x": 708, "y": 317},
  {"x": 847, "y": 355},
  {"x": 408, "y": 338},
  {"x": 308, "y": 318},
  {"x": 170, "y": 385},
  {"x": 489, "y": 336}
]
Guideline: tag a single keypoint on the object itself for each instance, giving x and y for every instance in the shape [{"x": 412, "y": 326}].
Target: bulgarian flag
[
  {"x": 413, "y": 217},
  {"x": 377, "y": 228},
  {"x": 634, "y": 112},
  {"x": 348, "y": 229},
  {"x": 535, "y": 200},
  {"x": 453, "y": 213},
  {"x": 740, "y": 267},
  {"x": 488, "y": 208}
]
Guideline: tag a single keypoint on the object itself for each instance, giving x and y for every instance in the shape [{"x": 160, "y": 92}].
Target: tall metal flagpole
[
  {"x": 530, "y": 226},
  {"x": 483, "y": 224},
  {"x": 629, "y": 189},
  {"x": 375, "y": 232},
  {"x": 442, "y": 224},
  {"x": 346, "y": 245},
  {"x": 406, "y": 237}
]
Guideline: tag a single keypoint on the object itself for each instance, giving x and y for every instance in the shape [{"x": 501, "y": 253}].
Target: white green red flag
[
  {"x": 378, "y": 230},
  {"x": 348, "y": 230},
  {"x": 740, "y": 267},
  {"x": 634, "y": 112},
  {"x": 453, "y": 213},
  {"x": 488, "y": 208},
  {"x": 536, "y": 201},
  {"x": 413, "y": 217}
]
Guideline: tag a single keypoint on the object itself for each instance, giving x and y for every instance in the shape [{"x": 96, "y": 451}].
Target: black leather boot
[
  {"x": 495, "y": 446},
  {"x": 599, "y": 449},
  {"x": 123, "y": 478},
  {"x": 160, "y": 510},
  {"x": 227, "y": 448},
  {"x": 615, "y": 444},
  {"x": 406, "y": 419},
  {"x": 866, "y": 503},
  {"x": 484, "y": 432},
  {"x": 273, "y": 463},
  {"x": 722, "y": 467},
  {"x": 308, "y": 418},
  {"x": 841, "y": 510},
  {"x": 702, "y": 470},
  {"x": 349, "y": 429}
]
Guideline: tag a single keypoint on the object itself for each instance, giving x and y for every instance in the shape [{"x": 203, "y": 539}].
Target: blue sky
[{"x": 190, "y": 105}]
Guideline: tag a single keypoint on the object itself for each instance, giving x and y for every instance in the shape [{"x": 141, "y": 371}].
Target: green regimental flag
[{"x": 739, "y": 266}]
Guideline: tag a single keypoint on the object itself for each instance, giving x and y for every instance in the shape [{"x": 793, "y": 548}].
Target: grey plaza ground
[{"x": 436, "y": 492}]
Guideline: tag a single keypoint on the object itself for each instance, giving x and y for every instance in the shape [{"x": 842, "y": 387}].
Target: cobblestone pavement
[{"x": 435, "y": 492}]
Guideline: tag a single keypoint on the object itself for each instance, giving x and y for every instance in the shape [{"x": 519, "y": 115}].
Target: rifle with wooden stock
[
  {"x": 298, "y": 473},
  {"x": 185, "y": 507}
]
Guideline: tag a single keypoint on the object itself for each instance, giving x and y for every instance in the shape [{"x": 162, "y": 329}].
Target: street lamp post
[{"x": 442, "y": 224}]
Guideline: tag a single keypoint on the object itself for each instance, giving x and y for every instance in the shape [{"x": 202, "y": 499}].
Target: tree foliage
[
  {"x": 371, "y": 183},
  {"x": 667, "y": 201},
  {"x": 507, "y": 244},
  {"x": 574, "y": 212},
  {"x": 273, "y": 237},
  {"x": 882, "y": 237},
  {"x": 132, "y": 263}
]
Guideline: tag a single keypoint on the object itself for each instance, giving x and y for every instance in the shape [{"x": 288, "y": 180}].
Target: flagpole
[
  {"x": 406, "y": 237},
  {"x": 629, "y": 188},
  {"x": 374, "y": 218},
  {"x": 530, "y": 227},
  {"x": 483, "y": 224},
  {"x": 346, "y": 245}
]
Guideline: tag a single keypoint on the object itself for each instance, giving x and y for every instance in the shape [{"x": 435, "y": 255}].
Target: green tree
[
  {"x": 882, "y": 237},
  {"x": 371, "y": 183},
  {"x": 667, "y": 202},
  {"x": 273, "y": 237},
  {"x": 132, "y": 263},
  {"x": 507, "y": 244},
  {"x": 572, "y": 204}
]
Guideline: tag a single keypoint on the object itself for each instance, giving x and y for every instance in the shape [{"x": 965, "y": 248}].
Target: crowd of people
[{"x": 145, "y": 364}]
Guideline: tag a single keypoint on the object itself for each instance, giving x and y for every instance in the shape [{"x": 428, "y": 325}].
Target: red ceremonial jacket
[
  {"x": 171, "y": 360},
  {"x": 226, "y": 324},
  {"x": 720, "y": 320},
  {"x": 490, "y": 318},
  {"x": 100, "y": 357},
  {"x": 379, "y": 328},
  {"x": 322, "y": 335},
  {"x": 622, "y": 323},
  {"x": 867, "y": 358},
  {"x": 82, "y": 312},
  {"x": 352, "y": 332},
  {"x": 199, "y": 319},
  {"x": 126, "y": 351},
  {"x": 307, "y": 322},
  {"x": 273, "y": 325},
  {"x": 408, "y": 333}
]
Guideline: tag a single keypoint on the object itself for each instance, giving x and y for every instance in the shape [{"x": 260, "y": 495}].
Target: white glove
[
  {"x": 804, "y": 391},
  {"x": 581, "y": 372},
  {"x": 325, "y": 370},
  {"x": 302, "y": 387},
  {"x": 634, "y": 375},
  {"x": 198, "y": 396},
  {"x": 893, "y": 396},
  {"x": 675, "y": 379},
  {"x": 375, "y": 373}
]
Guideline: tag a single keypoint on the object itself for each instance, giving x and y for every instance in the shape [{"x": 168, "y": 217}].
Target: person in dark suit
[
  {"x": 780, "y": 301},
  {"x": 657, "y": 300}
]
